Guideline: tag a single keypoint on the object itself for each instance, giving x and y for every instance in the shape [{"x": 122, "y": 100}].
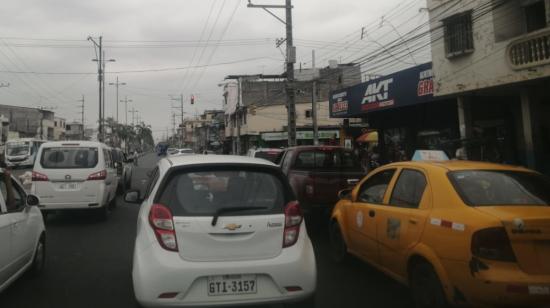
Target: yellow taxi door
[
  {"x": 401, "y": 220},
  {"x": 361, "y": 215}
]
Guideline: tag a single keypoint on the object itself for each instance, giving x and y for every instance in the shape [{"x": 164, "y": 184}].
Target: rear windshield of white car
[
  {"x": 497, "y": 187},
  {"x": 69, "y": 158},
  {"x": 202, "y": 193}
]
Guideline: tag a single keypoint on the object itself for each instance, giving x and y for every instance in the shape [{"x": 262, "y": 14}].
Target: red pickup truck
[{"x": 318, "y": 173}]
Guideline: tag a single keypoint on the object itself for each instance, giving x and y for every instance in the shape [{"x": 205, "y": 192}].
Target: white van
[
  {"x": 75, "y": 175},
  {"x": 22, "y": 152}
]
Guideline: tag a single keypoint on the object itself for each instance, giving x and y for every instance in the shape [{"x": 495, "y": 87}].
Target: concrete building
[
  {"x": 59, "y": 128},
  {"x": 74, "y": 131},
  {"x": 29, "y": 122},
  {"x": 209, "y": 131},
  {"x": 493, "y": 58},
  {"x": 255, "y": 112}
]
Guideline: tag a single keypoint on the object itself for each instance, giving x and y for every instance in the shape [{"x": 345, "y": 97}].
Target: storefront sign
[
  {"x": 301, "y": 135},
  {"x": 408, "y": 87}
]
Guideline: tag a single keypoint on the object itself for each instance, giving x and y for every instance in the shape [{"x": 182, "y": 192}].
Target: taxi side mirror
[{"x": 345, "y": 194}]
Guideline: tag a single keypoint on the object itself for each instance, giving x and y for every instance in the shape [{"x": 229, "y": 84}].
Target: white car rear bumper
[{"x": 157, "y": 271}]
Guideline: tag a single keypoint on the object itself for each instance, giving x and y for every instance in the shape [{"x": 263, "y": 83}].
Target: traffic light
[{"x": 192, "y": 99}]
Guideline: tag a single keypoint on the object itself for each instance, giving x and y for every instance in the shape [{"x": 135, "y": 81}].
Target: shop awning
[{"x": 368, "y": 137}]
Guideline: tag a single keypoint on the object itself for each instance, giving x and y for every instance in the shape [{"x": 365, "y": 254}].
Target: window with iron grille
[
  {"x": 308, "y": 113},
  {"x": 458, "y": 33}
]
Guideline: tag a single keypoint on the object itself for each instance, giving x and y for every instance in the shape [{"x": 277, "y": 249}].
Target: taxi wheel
[
  {"x": 426, "y": 288},
  {"x": 338, "y": 245}
]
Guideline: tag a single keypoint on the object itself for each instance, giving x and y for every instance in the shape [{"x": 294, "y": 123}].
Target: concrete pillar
[
  {"x": 527, "y": 124},
  {"x": 464, "y": 121},
  {"x": 547, "y": 6}
]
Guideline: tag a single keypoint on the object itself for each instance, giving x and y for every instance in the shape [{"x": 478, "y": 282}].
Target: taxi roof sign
[{"x": 429, "y": 155}]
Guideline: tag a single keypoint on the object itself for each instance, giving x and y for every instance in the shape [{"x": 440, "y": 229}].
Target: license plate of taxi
[
  {"x": 68, "y": 186},
  {"x": 232, "y": 285}
]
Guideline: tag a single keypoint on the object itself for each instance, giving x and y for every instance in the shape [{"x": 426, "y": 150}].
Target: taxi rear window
[{"x": 500, "y": 188}]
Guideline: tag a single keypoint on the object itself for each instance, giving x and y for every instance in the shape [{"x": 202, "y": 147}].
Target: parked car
[
  {"x": 271, "y": 154},
  {"x": 184, "y": 151},
  {"x": 75, "y": 175},
  {"x": 464, "y": 233},
  {"x": 22, "y": 232},
  {"x": 220, "y": 230},
  {"x": 317, "y": 173}
]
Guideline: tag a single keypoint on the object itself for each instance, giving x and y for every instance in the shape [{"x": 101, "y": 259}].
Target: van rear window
[
  {"x": 69, "y": 158},
  {"x": 202, "y": 193}
]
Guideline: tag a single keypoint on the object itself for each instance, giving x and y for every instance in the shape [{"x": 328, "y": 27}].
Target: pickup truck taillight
[
  {"x": 161, "y": 220},
  {"x": 293, "y": 219},
  {"x": 39, "y": 177}
]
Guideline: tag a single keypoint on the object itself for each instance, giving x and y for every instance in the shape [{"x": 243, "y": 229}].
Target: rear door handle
[
  {"x": 372, "y": 213},
  {"x": 413, "y": 221}
]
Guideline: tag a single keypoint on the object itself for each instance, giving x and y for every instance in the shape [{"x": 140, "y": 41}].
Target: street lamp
[{"x": 117, "y": 100}]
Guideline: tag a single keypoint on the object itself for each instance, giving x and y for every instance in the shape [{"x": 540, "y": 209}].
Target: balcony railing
[{"x": 530, "y": 50}]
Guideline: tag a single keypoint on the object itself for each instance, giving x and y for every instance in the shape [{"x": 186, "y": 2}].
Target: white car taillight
[
  {"x": 293, "y": 219},
  {"x": 101, "y": 175},
  {"x": 37, "y": 177},
  {"x": 162, "y": 222}
]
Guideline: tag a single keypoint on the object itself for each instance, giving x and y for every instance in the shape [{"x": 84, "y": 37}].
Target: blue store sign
[{"x": 408, "y": 87}]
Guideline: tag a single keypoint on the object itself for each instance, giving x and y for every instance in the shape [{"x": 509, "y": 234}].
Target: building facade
[
  {"x": 28, "y": 122},
  {"x": 256, "y": 112},
  {"x": 493, "y": 58},
  {"x": 59, "y": 127}
]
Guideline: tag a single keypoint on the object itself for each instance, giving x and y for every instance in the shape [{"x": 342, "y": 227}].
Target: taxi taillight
[{"x": 492, "y": 244}]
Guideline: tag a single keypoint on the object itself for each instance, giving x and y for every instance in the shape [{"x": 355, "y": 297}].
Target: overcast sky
[{"x": 178, "y": 46}]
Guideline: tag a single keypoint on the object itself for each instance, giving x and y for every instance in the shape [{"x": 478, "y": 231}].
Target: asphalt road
[{"x": 89, "y": 264}]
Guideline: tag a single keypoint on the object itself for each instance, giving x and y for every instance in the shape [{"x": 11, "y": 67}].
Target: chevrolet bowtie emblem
[{"x": 232, "y": 227}]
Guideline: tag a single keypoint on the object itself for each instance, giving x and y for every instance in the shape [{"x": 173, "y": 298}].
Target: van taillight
[
  {"x": 492, "y": 244},
  {"x": 293, "y": 219},
  {"x": 101, "y": 175},
  {"x": 162, "y": 222},
  {"x": 37, "y": 177}
]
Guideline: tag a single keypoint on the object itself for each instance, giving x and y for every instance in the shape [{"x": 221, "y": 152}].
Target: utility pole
[
  {"x": 314, "y": 101},
  {"x": 180, "y": 100},
  {"x": 82, "y": 114},
  {"x": 238, "y": 115},
  {"x": 100, "y": 59},
  {"x": 117, "y": 99},
  {"x": 126, "y": 100},
  {"x": 133, "y": 111},
  {"x": 290, "y": 60}
]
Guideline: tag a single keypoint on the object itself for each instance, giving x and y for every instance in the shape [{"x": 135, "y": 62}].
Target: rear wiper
[{"x": 234, "y": 209}]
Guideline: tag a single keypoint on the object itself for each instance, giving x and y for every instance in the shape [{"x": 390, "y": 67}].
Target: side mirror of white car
[
  {"x": 132, "y": 196},
  {"x": 33, "y": 200}
]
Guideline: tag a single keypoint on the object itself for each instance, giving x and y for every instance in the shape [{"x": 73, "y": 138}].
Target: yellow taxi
[{"x": 456, "y": 232}]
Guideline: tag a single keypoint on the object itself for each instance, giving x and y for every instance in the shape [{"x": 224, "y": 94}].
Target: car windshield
[
  {"x": 202, "y": 193},
  {"x": 69, "y": 157},
  {"x": 19, "y": 148},
  {"x": 495, "y": 187}
]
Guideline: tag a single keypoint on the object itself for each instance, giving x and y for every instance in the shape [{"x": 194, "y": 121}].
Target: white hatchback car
[
  {"x": 22, "y": 232},
  {"x": 75, "y": 175},
  {"x": 220, "y": 230}
]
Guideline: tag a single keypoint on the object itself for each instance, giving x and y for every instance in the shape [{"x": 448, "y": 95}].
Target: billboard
[{"x": 404, "y": 88}]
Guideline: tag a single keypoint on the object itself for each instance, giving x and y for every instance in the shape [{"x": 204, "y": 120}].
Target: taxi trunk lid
[{"x": 528, "y": 228}]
